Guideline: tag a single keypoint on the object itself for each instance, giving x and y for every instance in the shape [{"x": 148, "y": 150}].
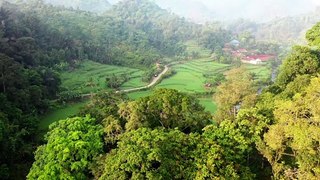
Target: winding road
[{"x": 152, "y": 83}]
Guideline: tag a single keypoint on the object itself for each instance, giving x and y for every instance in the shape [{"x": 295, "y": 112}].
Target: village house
[
  {"x": 246, "y": 56},
  {"x": 235, "y": 43},
  {"x": 251, "y": 61},
  {"x": 257, "y": 59}
]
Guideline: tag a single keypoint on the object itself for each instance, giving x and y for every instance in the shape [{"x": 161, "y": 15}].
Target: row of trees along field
[
  {"x": 37, "y": 41},
  {"x": 168, "y": 135}
]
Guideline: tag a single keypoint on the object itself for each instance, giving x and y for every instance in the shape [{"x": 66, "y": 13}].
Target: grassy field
[
  {"x": 139, "y": 94},
  {"x": 209, "y": 104},
  {"x": 79, "y": 80},
  {"x": 60, "y": 113},
  {"x": 90, "y": 77},
  {"x": 190, "y": 76}
]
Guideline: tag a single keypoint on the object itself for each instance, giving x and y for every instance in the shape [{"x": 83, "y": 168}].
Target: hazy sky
[{"x": 261, "y": 10}]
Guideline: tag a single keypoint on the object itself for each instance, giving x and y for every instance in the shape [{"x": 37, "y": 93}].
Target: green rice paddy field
[
  {"x": 79, "y": 80},
  {"x": 90, "y": 77},
  {"x": 188, "y": 78}
]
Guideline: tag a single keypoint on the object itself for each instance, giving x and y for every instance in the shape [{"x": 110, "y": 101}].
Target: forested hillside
[
  {"x": 38, "y": 41},
  {"x": 28, "y": 81},
  {"x": 289, "y": 30},
  {"x": 156, "y": 25},
  {"x": 106, "y": 38},
  {"x": 268, "y": 131},
  {"x": 168, "y": 135}
]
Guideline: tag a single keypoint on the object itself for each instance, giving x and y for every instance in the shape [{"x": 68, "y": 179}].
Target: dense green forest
[{"x": 166, "y": 135}]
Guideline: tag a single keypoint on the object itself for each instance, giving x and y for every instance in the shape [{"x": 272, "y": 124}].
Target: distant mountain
[
  {"x": 98, "y": 6},
  {"x": 230, "y": 10},
  {"x": 288, "y": 29},
  {"x": 148, "y": 16},
  {"x": 192, "y": 10}
]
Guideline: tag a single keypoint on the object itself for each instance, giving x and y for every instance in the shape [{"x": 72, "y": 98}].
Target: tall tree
[
  {"x": 238, "y": 91},
  {"x": 151, "y": 154},
  {"x": 292, "y": 144},
  {"x": 72, "y": 145},
  {"x": 313, "y": 35},
  {"x": 165, "y": 108},
  {"x": 301, "y": 61}
]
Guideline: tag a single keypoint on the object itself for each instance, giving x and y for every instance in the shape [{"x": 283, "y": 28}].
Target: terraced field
[
  {"x": 135, "y": 81},
  {"x": 190, "y": 76},
  {"x": 90, "y": 77}
]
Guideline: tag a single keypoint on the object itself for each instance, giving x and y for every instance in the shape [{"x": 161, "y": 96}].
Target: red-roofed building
[
  {"x": 262, "y": 57},
  {"x": 257, "y": 59}
]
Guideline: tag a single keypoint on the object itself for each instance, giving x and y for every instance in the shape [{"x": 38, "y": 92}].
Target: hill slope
[{"x": 288, "y": 29}]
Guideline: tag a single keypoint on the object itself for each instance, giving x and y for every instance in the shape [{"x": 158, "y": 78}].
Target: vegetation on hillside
[
  {"x": 287, "y": 30},
  {"x": 40, "y": 41},
  {"x": 272, "y": 133}
]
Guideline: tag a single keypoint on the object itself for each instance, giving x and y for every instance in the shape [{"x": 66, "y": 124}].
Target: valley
[
  {"x": 190, "y": 76},
  {"x": 132, "y": 89}
]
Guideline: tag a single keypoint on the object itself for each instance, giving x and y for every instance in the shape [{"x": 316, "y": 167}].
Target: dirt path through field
[{"x": 152, "y": 83}]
